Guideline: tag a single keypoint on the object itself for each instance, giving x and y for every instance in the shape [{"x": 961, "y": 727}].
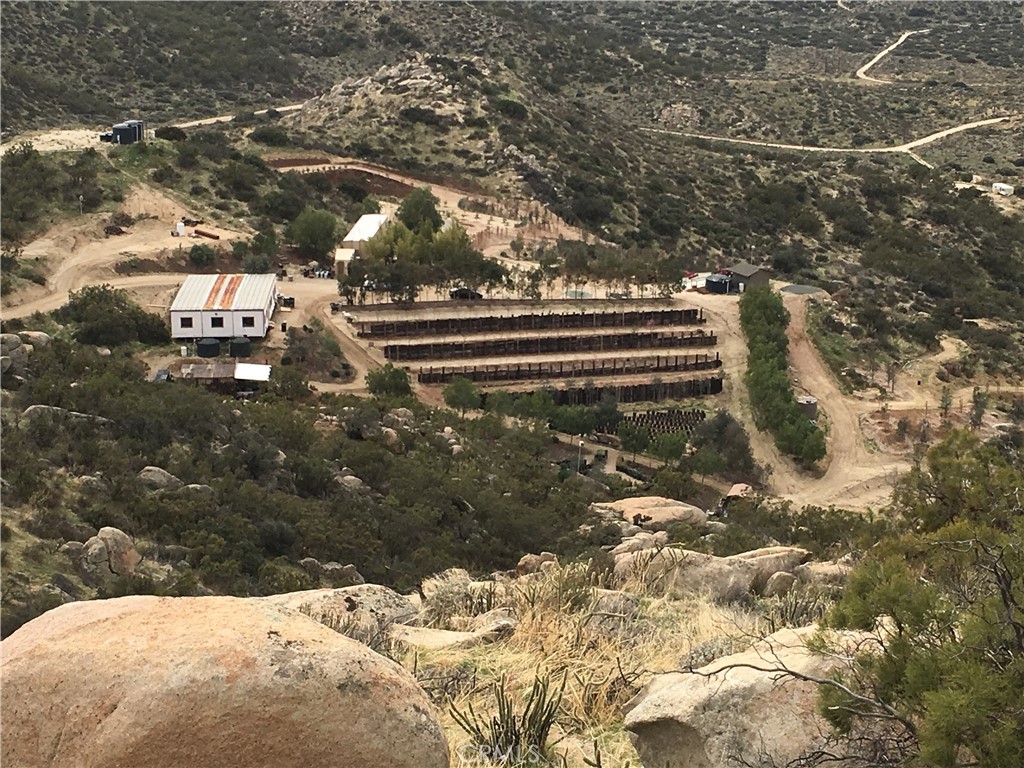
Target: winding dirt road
[
  {"x": 862, "y": 73},
  {"x": 906, "y": 148}
]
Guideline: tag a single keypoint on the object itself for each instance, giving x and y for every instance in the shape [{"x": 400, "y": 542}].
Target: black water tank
[
  {"x": 208, "y": 348},
  {"x": 138, "y": 129},
  {"x": 240, "y": 347},
  {"x": 123, "y": 133}
]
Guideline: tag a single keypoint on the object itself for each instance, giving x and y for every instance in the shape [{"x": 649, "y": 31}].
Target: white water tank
[{"x": 180, "y": 226}]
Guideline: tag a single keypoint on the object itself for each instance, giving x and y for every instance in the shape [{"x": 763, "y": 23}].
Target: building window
[
  {"x": 248, "y": 322},
  {"x": 216, "y": 322},
  {"x": 186, "y": 322}
]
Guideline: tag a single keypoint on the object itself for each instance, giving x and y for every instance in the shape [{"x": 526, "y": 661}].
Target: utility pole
[
  {"x": 579, "y": 459},
  {"x": 81, "y": 202}
]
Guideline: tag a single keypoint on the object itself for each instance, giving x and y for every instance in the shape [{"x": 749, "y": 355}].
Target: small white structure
[
  {"x": 224, "y": 306},
  {"x": 251, "y": 372},
  {"x": 369, "y": 224},
  {"x": 1002, "y": 189},
  {"x": 342, "y": 258}
]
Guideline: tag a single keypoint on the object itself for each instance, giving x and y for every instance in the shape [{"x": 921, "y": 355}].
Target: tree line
[{"x": 764, "y": 320}]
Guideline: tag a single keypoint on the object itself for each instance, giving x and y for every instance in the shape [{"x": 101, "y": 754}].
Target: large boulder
[
  {"x": 158, "y": 479},
  {"x": 366, "y": 607},
  {"x": 393, "y": 441},
  {"x": 35, "y": 338},
  {"x": 426, "y": 638},
  {"x": 682, "y": 571},
  {"x": 9, "y": 342},
  {"x": 110, "y": 552},
  {"x": 341, "y": 575},
  {"x": 708, "y": 719},
  {"x": 653, "y": 511},
  {"x": 832, "y": 572},
  {"x": 778, "y": 584},
  {"x": 57, "y": 415},
  {"x": 190, "y": 682},
  {"x": 536, "y": 563},
  {"x": 770, "y": 560},
  {"x": 641, "y": 541}
]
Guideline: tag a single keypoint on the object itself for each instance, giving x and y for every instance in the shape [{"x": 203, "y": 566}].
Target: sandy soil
[
  {"x": 72, "y": 139},
  {"x": 76, "y": 253}
]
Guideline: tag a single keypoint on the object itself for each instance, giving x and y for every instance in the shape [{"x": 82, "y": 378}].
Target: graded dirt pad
[
  {"x": 68, "y": 140},
  {"x": 76, "y": 253}
]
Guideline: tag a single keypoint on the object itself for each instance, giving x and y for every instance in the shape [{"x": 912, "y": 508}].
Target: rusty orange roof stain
[
  {"x": 228, "y": 300},
  {"x": 211, "y": 298}
]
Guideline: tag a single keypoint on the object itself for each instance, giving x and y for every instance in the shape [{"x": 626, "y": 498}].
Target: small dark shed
[{"x": 747, "y": 275}]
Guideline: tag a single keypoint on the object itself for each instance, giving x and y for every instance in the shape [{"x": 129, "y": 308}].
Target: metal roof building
[
  {"x": 224, "y": 371},
  {"x": 224, "y": 306},
  {"x": 369, "y": 224}
]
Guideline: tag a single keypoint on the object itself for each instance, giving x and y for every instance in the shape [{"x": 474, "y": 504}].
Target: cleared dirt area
[
  {"x": 66, "y": 140},
  {"x": 76, "y": 253}
]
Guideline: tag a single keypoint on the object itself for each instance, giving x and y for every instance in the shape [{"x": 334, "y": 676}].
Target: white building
[
  {"x": 369, "y": 224},
  {"x": 224, "y": 306},
  {"x": 1002, "y": 189},
  {"x": 342, "y": 258}
]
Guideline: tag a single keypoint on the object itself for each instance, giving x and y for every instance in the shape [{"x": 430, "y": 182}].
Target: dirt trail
[
  {"x": 862, "y": 73},
  {"x": 898, "y": 149},
  {"x": 229, "y": 118},
  {"x": 854, "y": 476}
]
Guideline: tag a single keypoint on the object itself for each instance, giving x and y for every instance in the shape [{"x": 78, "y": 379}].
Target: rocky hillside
[{"x": 672, "y": 657}]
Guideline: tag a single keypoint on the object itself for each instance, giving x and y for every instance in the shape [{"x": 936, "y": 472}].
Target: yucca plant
[{"x": 510, "y": 737}]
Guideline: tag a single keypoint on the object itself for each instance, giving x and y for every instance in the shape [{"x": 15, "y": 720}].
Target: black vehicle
[{"x": 465, "y": 294}]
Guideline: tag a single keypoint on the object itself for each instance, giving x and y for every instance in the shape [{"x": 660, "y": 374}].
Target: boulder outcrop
[
  {"x": 682, "y": 571},
  {"x": 708, "y": 719},
  {"x": 175, "y": 682},
  {"x": 367, "y": 607},
  {"x": 109, "y": 553},
  {"x": 158, "y": 479},
  {"x": 653, "y": 511},
  {"x": 536, "y": 563}
]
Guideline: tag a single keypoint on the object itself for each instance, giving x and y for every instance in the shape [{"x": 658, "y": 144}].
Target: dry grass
[{"x": 567, "y": 624}]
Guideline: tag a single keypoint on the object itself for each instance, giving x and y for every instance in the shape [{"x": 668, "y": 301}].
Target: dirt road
[
  {"x": 77, "y": 139},
  {"x": 898, "y": 149},
  {"x": 862, "y": 73},
  {"x": 81, "y": 255},
  {"x": 229, "y": 118}
]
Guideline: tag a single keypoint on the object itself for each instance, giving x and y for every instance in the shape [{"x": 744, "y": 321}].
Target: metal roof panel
[{"x": 224, "y": 292}]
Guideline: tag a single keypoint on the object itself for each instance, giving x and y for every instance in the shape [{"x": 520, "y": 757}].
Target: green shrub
[
  {"x": 202, "y": 255},
  {"x": 511, "y": 736}
]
